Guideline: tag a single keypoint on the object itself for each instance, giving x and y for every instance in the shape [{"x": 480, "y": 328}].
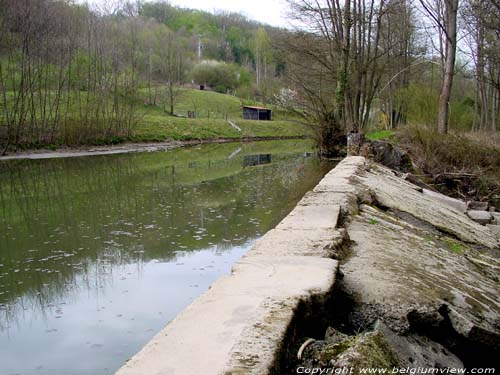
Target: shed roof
[{"x": 255, "y": 107}]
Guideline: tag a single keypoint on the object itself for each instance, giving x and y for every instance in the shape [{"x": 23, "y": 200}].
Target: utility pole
[{"x": 200, "y": 47}]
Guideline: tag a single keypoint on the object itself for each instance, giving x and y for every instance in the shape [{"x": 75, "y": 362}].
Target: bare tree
[
  {"x": 482, "y": 19},
  {"x": 342, "y": 50},
  {"x": 448, "y": 25}
]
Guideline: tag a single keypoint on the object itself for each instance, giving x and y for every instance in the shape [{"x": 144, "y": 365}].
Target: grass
[
  {"x": 454, "y": 246},
  {"x": 378, "y": 135},
  {"x": 210, "y": 105},
  {"x": 154, "y": 124},
  {"x": 153, "y": 128},
  {"x": 212, "y": 110},
  {"x": 206, "y": 104}
]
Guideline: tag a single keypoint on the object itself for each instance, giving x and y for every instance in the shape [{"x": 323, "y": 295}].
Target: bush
[
  {"x": 460, "y": 164},
  {"x": 420, "y": 104},
  {"x": 216, "y": 74},
  {"x": 221, "y": 89}
]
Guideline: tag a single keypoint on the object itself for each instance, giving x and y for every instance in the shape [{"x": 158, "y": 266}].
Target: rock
[
  {"x": 495, "y": 229},
  {"x": 477, "y": 206},
  {"x": 416, "y": 181},
  {"x": 407, "y": 273},
  {"x": 354, "y": 143},
  {"x": 380, "y": 151},
  {"x": 481, "y": 217},
  {"x": 418, "y": 351},
  {"x": 395, "y": 193},
  {"x": 368, "y": 349},
  {"x": 387, "y": 154},
  {"x": 379, "y": 348},
  {"x": 472, "y": 331},
  {"x": 452, "y": 202},
  {"x": 333, "y": 336},
  {"x": 492, "y": 209},
  {"x": 496, "y": 217}
]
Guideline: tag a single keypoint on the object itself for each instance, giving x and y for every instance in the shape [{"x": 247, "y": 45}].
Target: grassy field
[
  {"x": 209, "y": 104},
  {"x": 153, "y": 123},
  {"x": 211, "y": 109}
]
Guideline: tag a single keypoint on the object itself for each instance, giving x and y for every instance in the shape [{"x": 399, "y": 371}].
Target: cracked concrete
[{"x": 410, "y": 258}]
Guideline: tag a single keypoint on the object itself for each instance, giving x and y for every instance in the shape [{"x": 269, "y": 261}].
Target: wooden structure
[{"x": 256, "y": 113}]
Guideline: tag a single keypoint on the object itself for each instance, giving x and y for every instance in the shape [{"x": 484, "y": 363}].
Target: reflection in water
[
  {"x": 252, "y": 160},
  {"x": 98, "y": 253}
]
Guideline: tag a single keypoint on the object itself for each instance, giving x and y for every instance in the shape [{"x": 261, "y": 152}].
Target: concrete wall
[
  {"x": 242, "y": 323},
  {"x": 239, "y": 325}
]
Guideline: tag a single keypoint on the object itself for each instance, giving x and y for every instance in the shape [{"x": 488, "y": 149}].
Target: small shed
[{"x": 256, "y": 113}]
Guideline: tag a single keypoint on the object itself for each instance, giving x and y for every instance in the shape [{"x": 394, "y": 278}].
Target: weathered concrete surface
[
  {"x": 392, "y": 192},
  {"x": 238, "y": 326},
  {"x": 408, "y": 259},
  {"x": 419, "y": 265},
  {"x": 455, "y": 203},
  {"x": 423, "y": 257},
  {"x": 481, "y": 217},
  {"x": 408, "y": 268},
  {"x": 495, "y": 229}
]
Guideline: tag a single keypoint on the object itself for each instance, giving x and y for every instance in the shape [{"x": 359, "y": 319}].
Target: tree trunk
[
  {"x": 171, "y": 94},
  {"x": 451, "y": 46}
]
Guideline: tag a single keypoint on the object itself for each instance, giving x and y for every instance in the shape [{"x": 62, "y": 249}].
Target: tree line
[
  {"x": 74, "y": 73},
  {"x": 358, "y": 62}
]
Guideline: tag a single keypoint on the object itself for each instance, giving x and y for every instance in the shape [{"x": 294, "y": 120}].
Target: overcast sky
[
  {"x": 272, "y": 12},
  {"x": 266, "y": 11}
]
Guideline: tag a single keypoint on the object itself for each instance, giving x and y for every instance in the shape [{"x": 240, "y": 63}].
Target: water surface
[{"x": 98, "y": 253}]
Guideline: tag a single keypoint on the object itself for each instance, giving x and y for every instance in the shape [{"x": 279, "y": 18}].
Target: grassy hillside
[
  {"x": 153, "y": 123},
  {"x": 208, "y": 104},
  {"x": 211, "y": 109}
]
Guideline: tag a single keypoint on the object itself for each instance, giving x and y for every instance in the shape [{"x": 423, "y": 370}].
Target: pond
[{"x": 97, "y": 254}]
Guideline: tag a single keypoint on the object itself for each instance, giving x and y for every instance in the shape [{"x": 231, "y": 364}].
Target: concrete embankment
[
  {"x": 239, "y": 325},
  {"x": 411, "y": 261}
]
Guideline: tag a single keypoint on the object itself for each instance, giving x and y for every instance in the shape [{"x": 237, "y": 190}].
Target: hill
[
  {"x": 212, "y": 112},
  {"x": 71, "y": 74}
]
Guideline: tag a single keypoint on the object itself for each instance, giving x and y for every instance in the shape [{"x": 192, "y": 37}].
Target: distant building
[{"x": 256, "y": 113}]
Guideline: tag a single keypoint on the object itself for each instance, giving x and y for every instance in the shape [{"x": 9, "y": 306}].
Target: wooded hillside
[{"x": 73, "y": 73}]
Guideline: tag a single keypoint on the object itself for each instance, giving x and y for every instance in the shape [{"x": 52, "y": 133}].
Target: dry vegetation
[{"x": 464, "y": 165}]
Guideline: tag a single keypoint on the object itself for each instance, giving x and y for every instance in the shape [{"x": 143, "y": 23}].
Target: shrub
[
  {"x": 216, "y": 74},
  {"x": 459, "y": 163}
]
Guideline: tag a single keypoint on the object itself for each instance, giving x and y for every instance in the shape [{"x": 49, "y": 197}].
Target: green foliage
[
  {"x": 218, "y": 75},
  {"x": 382, "y": 134},
  {"x": 420, "y": 104},
  {"x": 454, "y": 246},
  {"x": 225, "y": 36},
  {"x": 462, "y": 114}
]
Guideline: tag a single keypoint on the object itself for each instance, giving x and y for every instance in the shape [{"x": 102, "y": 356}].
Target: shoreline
[{"x": 129, "y": 147}]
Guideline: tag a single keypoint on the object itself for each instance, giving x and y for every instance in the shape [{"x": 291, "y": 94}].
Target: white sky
[{"x": 272, "y": 12}]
